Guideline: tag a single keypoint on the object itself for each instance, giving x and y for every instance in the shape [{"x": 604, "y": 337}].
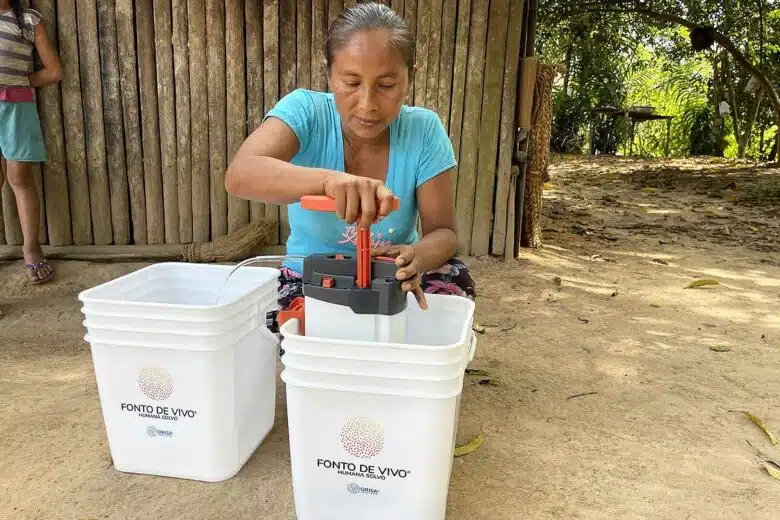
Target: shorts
[{"x": 21, "y": 138}]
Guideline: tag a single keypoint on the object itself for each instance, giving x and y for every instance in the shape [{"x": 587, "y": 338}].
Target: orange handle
[{"x": 328, "y": 204}]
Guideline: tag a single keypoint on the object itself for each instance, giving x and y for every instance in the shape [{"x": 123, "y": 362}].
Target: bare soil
[{"x": 610, "y": 402}]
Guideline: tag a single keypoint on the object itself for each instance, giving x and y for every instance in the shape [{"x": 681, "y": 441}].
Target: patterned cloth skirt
[{"x": 451, "y": 278}]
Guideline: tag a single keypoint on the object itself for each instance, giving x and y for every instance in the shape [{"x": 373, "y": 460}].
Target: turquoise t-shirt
[{"x": 420, "y": 149}]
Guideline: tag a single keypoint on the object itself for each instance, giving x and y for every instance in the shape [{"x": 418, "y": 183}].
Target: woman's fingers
[
  {"x": 368, "y": 195},
  {"x": 385, "y": 198},
  {"x": 353, "y": 203}
]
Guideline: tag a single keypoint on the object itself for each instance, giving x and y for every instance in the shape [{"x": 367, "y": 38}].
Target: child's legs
[{"x": 20, "y": 177}]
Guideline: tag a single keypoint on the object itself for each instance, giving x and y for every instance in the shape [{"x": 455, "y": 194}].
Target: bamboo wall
[{"x": 159, "y": 94}]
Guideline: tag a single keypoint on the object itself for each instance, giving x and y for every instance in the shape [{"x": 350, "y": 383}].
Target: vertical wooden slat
[
  {"x": 287, "y": 74},
  {"x": 434, "y": 52},
  {"x": 43, "y": 236},
  {"x": 449, "y": 13},
  {"x": 489, "y": 128},
  {"x": 397, "y": 6},
  {"x": 73, "y": 124},
  {"x": 89, "y": 60},
  {"x": 144, "y": 22},
  {"x": 410, "y": 15},
  {"x": 303, "y": 47},
  {"x": 319, "y": 18},
  {"x": 350, "y": 3},
  {"x": 199, "y": 120},
  {"x": 459, "y": 82},
  {"x": 215, "y": 36},
  {"x": 423, "y": 28},
  {"x": 55, "y": 179},
  {"x": 467, "y": 174},
  {"x": 335, "y": 7},
  {"x": 238, "y": 209},
  {"x": 254, "y": 80},
  {"x": 181, "y": 74},
  {"x": 507, "y": 134},
  {"x": 112, "y": 118},
  {"x": 128, "y": 79},
  {"x": 271, "y": 82},
  {"x": 2, "y": 220},
  {"x": 163, "y": 33}
]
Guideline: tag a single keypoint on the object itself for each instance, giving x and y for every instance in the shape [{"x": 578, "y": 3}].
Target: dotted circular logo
[
  {"x": 353, "y": 488},
  {"x": 155, "y": 383},
  {"x": 151, "y": 431},
  {"x": 363, "y": 438}
]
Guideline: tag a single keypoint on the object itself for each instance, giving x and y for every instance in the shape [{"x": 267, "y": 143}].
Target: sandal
[{"x": 34, "y": 269}]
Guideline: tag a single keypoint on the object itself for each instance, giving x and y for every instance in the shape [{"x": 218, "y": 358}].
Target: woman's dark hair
[{"x": 368, "y": 16}]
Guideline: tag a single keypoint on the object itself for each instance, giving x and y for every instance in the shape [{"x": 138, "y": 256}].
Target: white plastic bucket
[{"x": 190, "y": 393}]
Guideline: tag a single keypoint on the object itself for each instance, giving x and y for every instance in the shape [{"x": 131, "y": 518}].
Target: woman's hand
[
  {"x": 409, "y": 271},
  {"x": 358, "y": 199}
]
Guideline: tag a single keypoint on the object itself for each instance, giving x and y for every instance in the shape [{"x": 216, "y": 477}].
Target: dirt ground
[{"x": 611, "y": 402}]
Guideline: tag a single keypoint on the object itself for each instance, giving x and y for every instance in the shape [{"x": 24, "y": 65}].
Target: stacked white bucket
[
  {"x": 372, "y": 425},
  {"x": 186, "y": 369}
]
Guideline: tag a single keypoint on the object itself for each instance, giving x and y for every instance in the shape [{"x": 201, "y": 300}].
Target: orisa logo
[
  {"x": 155, "y": 383},
  {"x": 363, "y": 438}
]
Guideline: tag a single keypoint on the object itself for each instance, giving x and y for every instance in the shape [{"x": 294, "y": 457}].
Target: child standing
[{"x": 21, "y": 139}]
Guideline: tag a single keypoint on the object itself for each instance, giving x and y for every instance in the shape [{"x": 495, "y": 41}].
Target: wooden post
[
  {"x": 73, "y": 124},
  {"x": 253, "y": 11},
  {"x": 489, "y": 128},
  {"x": 449, "y": 12},
  {"x": 199, "y": 120},
  {"x": 287, "y": 75},
  {"x": 128, "y": 79},
  {"x": 43, "y": 236},
  {"x": 472, "y": 115},
  {"x": 181, "y": 74},
  {"x": 319, "y": 19},
  {"x": 506, "y": 150},
  {"x": 335, "y": 7},
  {"x": 99, "y": 197},
  {"x": 668, "y": 136},
  {"x": 150, "y": 124},
  {"x": 215, "y": 36},
  {"x": 459, "y": 83},
  {"x": 2, "y": 220},
  {"x": 271, "y": 81},
  {"x": 238, "y": 209},
  {"x": 431, "y": 100},
  {"x": 112, "y": 119},
  {"x": 303, "y": 68},
  {"x": 55, "y": 179},
  {"x": 423, "y": 33},
  {"x": 410, "y": 15}
]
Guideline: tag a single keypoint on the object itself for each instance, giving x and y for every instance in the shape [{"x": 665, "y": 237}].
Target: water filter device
[{"x": 350, "y": 297}]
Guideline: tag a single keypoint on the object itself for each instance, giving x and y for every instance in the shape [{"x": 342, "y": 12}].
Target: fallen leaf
[
  {"x": 659, "y": 261},
  {"x": 753, "y": 229},
  {"x": 655, "y": 305},
  {"x": 758, "y": 422},
  {"x": 487, "y": 377},
  {"x": 471, "y": 446},
  {"x": 478, "y": 328},
  {"x": 583, "y": 320},
  {"x": 614, "y": 293},
  {"x": 720, "y": 348},
  {"x": 647, "y": 189},
  {"x": 548, "y": 185},
  {"x": 773, "y": 471},
  {"x": 702, "y": 283},
  {"x": 558, "y": 282}
]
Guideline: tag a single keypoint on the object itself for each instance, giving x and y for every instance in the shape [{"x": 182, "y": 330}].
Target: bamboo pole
[
  {"x": 449, "y": 13},
  {"x": 166, "y": 106},
  {"x": 489, "y": 127},
  {"x": 410, "y": 15},
  {"x": 303, "y": 46},
  {"x": 73, "y": 124},
  {"x": 253, "y": 11},
  {"x": 287, "y": 76},
  {"x": 335, "y": 7},
  {"x": 181, "y": 74},
  {"x": 434, "y": 53},
  {"x": 506, "y": 147},
  {"x": 99, "y": 197},
  {"x": 238, "y": 209},
  {"x": 319, "y": 18},
  {"x": 271, "y": 80},
  {"x": 350, "y": 3},
  {"x": 397, "y": 6},
  {"x": 215, "y": 36},
  {"x": 112, "y": 119},
  {"x": 423, "y": 28},
  {"x": 55, "y": 179},
  {"x": 467, "y": 174},
  {"x": 459, "y": 83},
  {"x": 199, "y": 122},
  {"x": 147, "y": 79},
  {"x": 128, "y": 79}
]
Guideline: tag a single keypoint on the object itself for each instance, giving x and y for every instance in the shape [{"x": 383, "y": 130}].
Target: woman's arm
[
  {"x": 51, "y": 72},
  {"x": 439, "y": 242}
]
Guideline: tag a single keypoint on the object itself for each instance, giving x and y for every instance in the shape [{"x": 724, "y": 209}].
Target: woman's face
[{"x": 369, "y": 80}]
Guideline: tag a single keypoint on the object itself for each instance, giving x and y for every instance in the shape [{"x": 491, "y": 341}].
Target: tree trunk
[{"x": 744, "y": 141}]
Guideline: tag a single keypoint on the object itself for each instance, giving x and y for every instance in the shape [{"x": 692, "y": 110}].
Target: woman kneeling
[{"x": 361, "y": 146}]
